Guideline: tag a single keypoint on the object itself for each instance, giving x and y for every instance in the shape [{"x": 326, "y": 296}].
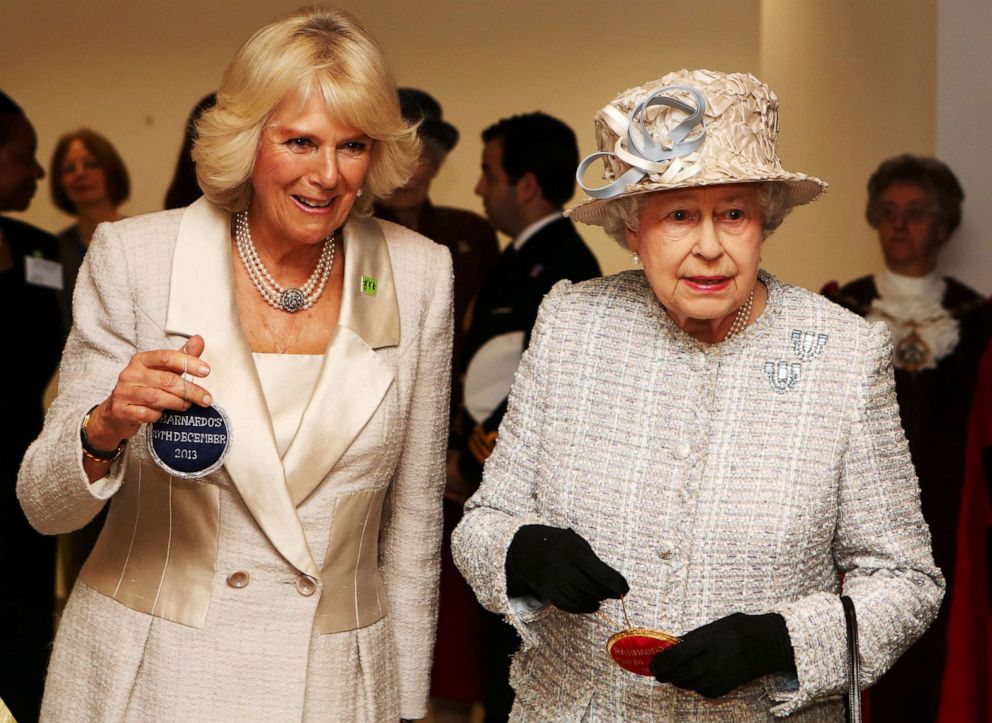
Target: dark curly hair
[{"x": 931, "y": 175}]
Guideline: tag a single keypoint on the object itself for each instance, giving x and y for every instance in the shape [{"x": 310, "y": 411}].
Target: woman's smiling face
[
  {"x": 701, "y": 248},
  {"x": 307, "y": 174}
]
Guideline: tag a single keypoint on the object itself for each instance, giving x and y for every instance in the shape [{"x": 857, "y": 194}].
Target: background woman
[
  {"x": 88, "y": 181},
  {"x": 298, "y": 581},
  {"x": 939, "y": 328},
  {"x": 712, "y": 443}
]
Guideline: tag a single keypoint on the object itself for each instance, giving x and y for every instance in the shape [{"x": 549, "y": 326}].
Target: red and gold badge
[{"x": 633, "y": 648}]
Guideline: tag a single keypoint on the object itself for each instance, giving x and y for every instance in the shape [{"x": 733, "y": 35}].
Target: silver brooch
[
  {"x": 782, "y": 374},
  {"x": 808, "y": 344}
]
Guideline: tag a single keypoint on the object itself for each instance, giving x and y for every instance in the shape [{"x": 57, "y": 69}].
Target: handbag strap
[{"x": 853, "y": 664}]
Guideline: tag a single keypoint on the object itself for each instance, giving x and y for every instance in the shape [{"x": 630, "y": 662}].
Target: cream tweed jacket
[
  {"x": 317, "y": 626},
  {"x": 743, "y": 476}
]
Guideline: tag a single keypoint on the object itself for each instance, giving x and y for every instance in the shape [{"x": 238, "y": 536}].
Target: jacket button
[
  {"x": 305, "y": 586},
  {"x": 238, "y": 579}
]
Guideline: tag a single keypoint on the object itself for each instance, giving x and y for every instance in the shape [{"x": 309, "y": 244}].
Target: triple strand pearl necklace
[
  {"x": 278, "y": 297},
  {"x": 742, "y": 316}
]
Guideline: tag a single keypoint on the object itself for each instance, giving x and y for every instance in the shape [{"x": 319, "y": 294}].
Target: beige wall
[
  {"x": 856, "y": 81},
  {"x": 964, "y": 106}
]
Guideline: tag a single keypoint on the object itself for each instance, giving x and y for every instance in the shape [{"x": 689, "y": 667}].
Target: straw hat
[{"x": 690, "y": 128}]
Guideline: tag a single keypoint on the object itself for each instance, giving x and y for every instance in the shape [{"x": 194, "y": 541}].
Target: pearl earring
[
  {"x": 635, "y": 259},
  {"x": 359, "y": 194}
]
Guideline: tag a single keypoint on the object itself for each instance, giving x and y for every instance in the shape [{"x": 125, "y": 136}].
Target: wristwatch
[{"x": 91, "y": 452}]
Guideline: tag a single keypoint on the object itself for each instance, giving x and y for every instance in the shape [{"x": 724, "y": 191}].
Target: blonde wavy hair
[{"x": 316, "y": 49}]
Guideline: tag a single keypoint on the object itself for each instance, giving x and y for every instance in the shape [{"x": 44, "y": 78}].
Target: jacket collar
[{"x": 352, "y": 381}]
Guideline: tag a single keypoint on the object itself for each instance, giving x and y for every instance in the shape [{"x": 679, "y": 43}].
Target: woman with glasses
[
  {"x": 90, "y": 182},
  {"x": 939, "y": 328}
]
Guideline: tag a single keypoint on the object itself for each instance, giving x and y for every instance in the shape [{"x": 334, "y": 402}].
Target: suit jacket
[
  {"x": 739, "y": 477},
  {"x": 29, "y": 317},
  {"x": 508, "y": 302},
  {"x": 332, "y": 615}
]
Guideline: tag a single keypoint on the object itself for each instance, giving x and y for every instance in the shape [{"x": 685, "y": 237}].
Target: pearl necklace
[
  {"x": 742, "y": 317},
  {"x": 292, "y": 299}
]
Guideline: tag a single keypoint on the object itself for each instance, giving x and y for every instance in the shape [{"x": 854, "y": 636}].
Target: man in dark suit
[
  {"x": 30, "y": 280},
  {"x": 528, "y": 174}
]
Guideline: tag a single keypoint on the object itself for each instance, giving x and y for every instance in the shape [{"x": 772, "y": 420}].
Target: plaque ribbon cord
[{"x": 637, "y": 148}]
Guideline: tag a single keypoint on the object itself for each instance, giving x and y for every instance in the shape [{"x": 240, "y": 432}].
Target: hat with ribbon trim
[{"x": 690, "y": 128}]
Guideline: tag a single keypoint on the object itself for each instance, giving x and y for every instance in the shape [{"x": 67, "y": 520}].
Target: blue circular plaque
[{"x": 192, "y": 443}]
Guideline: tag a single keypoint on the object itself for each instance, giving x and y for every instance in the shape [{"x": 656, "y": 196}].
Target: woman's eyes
[
  {"x": 355, "y": 148},
  {"x": 682, "y": 215},
  {"x": 299, "y": 143}
]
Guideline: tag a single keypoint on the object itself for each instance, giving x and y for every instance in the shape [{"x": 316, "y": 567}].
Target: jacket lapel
[
  {"x": 353, "y": 379},
  {"x": 201, "y": 301}
]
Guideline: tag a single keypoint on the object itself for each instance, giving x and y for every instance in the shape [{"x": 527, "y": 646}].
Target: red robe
[{"x": 966, "y": 694}]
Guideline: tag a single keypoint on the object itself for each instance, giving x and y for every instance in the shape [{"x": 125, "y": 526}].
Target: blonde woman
[{"x": 297, "y": 579}]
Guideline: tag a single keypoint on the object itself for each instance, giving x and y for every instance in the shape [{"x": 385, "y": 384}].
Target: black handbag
[{"x": 853, "y": 666}]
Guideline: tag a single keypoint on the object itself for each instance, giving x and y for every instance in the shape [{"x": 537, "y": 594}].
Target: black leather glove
[
  {"x": 559, "y": 567},
  {"x": 722, "y": 655}
]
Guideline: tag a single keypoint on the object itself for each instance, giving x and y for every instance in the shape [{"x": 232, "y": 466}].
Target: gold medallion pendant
[{"x": 912, "y": 353}]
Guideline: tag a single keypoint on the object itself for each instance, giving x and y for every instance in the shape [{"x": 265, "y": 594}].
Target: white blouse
[{"x": 288, "y": 381}]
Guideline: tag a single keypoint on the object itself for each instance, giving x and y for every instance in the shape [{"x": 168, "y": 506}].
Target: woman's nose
[
  {"x": 327, "y": 168},
  {"x": 708, "y": 245}
]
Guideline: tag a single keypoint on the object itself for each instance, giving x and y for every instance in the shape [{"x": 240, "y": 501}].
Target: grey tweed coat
[
  {"x": 301, "y": 587},
  {"x": 744, "y": 476}
]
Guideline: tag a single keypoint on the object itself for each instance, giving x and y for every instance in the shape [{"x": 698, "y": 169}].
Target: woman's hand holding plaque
[{"x": 151, "y": 382}]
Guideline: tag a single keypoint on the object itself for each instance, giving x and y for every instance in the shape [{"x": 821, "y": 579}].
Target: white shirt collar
[
  {"x": 525, "y": 235},
  {"x": 930, "y": 287}
]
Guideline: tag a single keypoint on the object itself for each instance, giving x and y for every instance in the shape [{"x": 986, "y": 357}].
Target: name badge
[
  {"x": 42, "y": 272},
  {"x": 192, "y": 443}
]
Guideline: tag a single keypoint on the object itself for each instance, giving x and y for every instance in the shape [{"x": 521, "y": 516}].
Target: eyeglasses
[
  {"x": 912, "y": 216},
  {"x": 80, "y": 166}
]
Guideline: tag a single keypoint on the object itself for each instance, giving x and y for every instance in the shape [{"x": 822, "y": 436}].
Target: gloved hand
[
  {"x": 559, "y": 567},
  {"x": 726, "y": 653}
]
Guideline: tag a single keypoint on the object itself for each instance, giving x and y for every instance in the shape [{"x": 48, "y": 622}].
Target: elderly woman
[
  {"x": 89, "y": 181},
  {"x": 703, "y": 439},
  {"x": 939, "y": 328},
  {"x": 295, "y": 578}
]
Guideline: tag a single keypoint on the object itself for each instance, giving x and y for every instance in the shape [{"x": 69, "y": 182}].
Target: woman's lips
[
  {"x": 310, "y": 205},
  {"x": 707, "y": 284}
]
